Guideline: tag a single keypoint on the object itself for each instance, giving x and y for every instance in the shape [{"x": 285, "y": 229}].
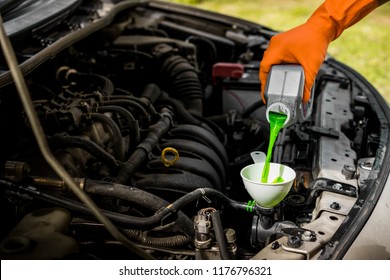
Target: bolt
[
  {"x": 349, "y": 167},
  {"x": 335, "y": 206},
  {"x": 367, "y": 164},
  {"x": 321, "y": 183},
  {"x": 338, "y": 186},
  {"x": 294, "y": 241},
  {"x": 348, "y": 171},
  {"x": 275, "y": 245},
  {"x": 307, "y": 233},
  {"x": 230, "y": 235}
]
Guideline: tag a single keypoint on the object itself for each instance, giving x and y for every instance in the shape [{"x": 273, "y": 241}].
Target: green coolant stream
[{"x": 276, "y": 122}]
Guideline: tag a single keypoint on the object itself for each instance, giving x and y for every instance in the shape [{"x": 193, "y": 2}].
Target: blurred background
[{"x": 365, "y": 46}]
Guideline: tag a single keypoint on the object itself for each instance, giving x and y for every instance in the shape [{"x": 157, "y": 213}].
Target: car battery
[{"x": 240, "y": 87}]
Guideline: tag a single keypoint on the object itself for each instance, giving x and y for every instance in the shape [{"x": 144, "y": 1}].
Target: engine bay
[{"x": 154, "y": 110}]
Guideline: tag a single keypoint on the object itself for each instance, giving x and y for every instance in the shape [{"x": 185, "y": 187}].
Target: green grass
[{"x": 364, "y": 47}]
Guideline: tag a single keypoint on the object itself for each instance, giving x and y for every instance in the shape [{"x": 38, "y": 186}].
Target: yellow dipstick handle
[{"x": 169, "y": 162}]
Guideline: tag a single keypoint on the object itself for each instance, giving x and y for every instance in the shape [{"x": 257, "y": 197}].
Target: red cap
[{"x": 227, "y": 70}]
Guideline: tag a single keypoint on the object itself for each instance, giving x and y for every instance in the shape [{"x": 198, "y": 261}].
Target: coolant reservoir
[{"x": 284, "y": 93}]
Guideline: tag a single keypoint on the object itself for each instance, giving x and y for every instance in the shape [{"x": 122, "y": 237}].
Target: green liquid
[{"x": 276, "y": 122}]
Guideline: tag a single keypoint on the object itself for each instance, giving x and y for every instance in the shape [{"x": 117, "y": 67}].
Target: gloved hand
[{"x": 307, "y": 44}]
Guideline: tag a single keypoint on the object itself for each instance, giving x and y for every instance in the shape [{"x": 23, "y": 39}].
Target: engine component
[
  {"x": 211, "y": 241},
  {"x": 37, "y": 230}
]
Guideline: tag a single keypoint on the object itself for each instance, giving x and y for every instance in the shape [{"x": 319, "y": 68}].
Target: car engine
[{"x": 153, "y": 109}]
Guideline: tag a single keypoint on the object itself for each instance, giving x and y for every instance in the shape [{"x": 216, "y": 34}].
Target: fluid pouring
[
  {"x": 276, "y": 121},
  {"x": 269, "y": 185}
]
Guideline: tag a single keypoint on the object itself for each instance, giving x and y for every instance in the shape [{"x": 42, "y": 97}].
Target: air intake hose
[{"x": 183, "y": 83}]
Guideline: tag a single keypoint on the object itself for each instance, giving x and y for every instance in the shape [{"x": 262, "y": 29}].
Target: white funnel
[{"x": 269, "y": 194}]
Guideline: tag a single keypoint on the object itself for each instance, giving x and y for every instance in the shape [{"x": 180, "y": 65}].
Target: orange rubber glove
[{"x": 307, "y": 44}]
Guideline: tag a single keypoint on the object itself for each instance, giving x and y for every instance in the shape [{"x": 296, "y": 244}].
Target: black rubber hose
[
  {"x": 117, "y": 140},
  {"x": 143, "y": 150},
  {"x": 143, "y": 223},
  {"x": 182, "y": 114},
  {"x": 91, "y": 147},
  {"x": 204, "y": 192},
  {"x": 132, "y": 123},
  {"x": 152, "y": 92},
  {"x": 220, "y": 235},
  {"x": 208, "y": 48},
  {"x": 182, "y": 80},
  {"x": 169, "y": 241},
  {"x": 139, "y": 197}
]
